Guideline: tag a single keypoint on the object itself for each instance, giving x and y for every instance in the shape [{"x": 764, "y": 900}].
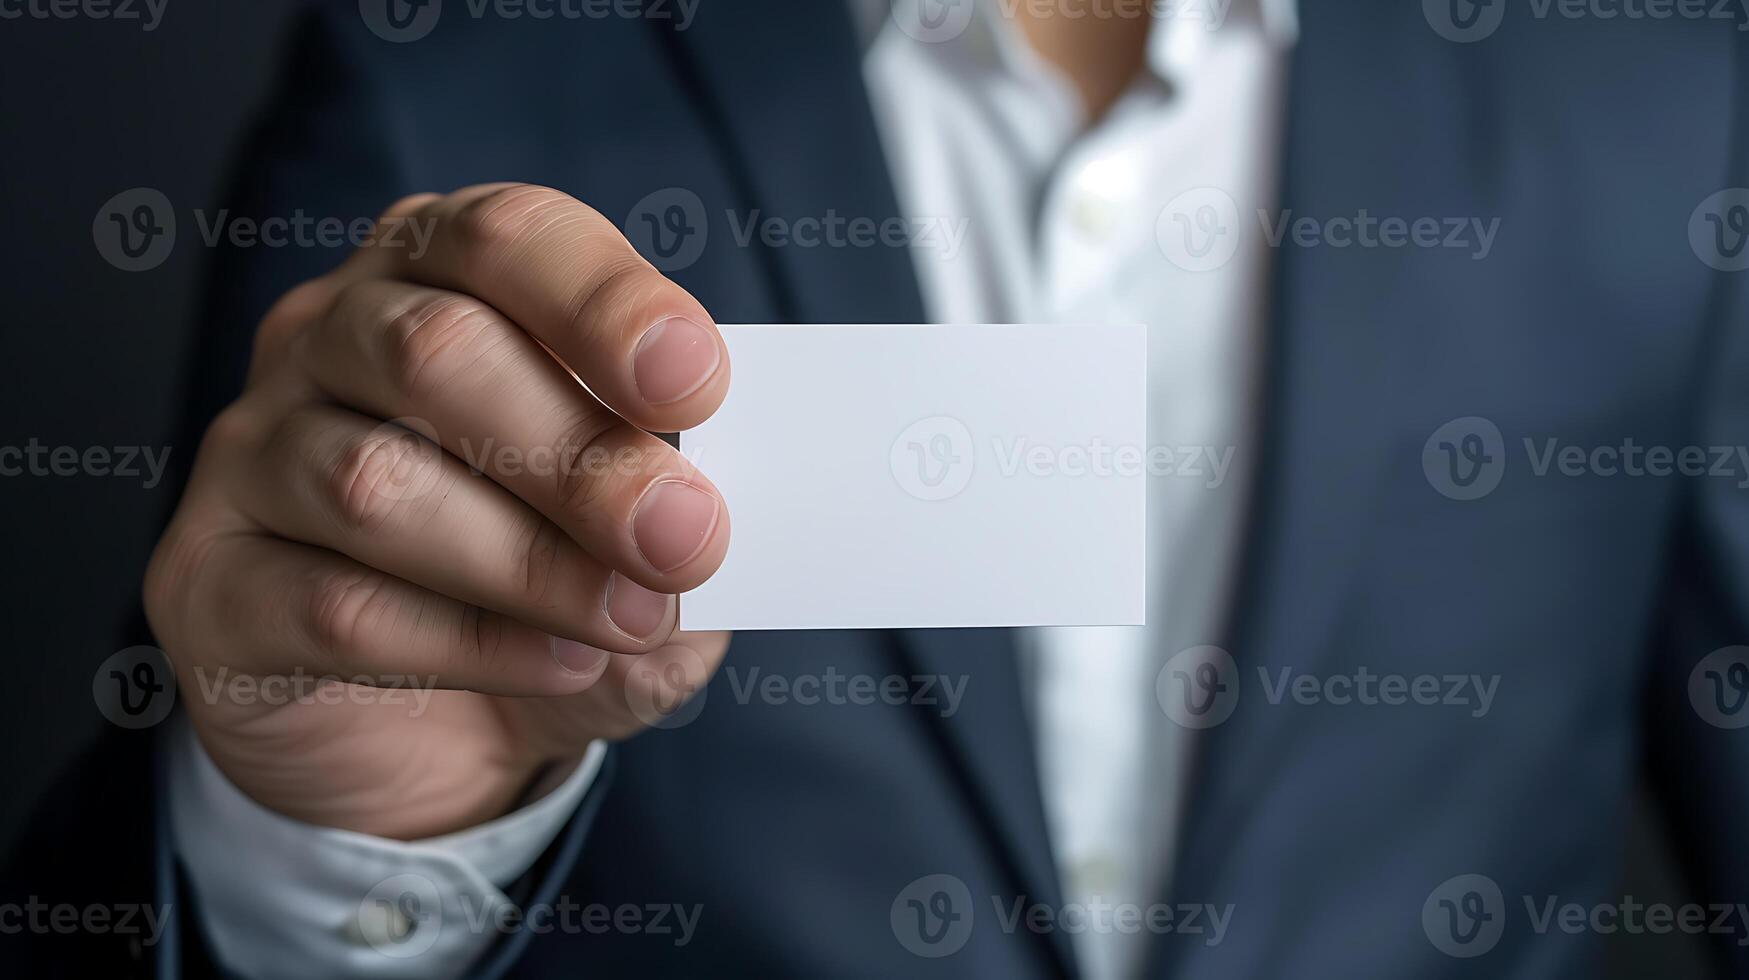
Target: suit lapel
[
  {"x": 989, "y": 742},
  {"x": 811, "y": 150},
  {"x": 1339, "y": 379},
  {"x": 802, "y": 144}
]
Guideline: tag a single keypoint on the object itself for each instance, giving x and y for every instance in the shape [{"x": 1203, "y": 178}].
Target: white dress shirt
[
  {"x": 1065, "y": 217},
  {"x": 1064, "y": 221}
]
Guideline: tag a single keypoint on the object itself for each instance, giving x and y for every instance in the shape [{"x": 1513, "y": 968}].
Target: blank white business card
[{"x": 887, "y": 476}]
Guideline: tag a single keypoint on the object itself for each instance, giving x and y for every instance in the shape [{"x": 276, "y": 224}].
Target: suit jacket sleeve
[
  {"x": 1697, "y": 723},
  {"x": 325, "y": 146}
]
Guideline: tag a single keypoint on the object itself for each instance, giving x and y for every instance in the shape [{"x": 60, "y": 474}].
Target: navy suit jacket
[{"x": 1328, "y": 830}]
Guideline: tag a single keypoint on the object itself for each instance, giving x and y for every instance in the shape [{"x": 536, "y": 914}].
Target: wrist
[{"x": 440, "y": 785}]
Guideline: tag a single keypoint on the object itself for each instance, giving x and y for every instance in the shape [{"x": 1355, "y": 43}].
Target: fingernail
[
  {"x": 672, "y": 523},
  {"x": 578, "y": 658},
  {"x": 635, "y": 611},
  {"x": 674, "y": 359}
]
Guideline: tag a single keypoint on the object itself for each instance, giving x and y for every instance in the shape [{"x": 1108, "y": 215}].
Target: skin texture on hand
[{"x": 441, "y": 477}]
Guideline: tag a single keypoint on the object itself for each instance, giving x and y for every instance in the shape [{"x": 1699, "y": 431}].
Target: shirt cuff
[{"x": 281, "y": 898}]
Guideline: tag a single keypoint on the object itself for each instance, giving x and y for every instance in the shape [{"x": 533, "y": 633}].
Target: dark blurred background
[{"x": 89, "y": 109}]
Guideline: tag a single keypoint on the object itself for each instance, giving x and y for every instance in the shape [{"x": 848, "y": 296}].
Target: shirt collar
[{"x": 1182, "y": 31}]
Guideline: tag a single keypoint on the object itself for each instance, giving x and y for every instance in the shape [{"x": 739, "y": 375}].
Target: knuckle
[
  {"x": 167, "y": 587},
  {"x": 288, "y": 317},
  {"x": 348, "y": 307},
  {"x": 411, "y": 204},
  {"x": 379, "y": 474},
  {"x": 694, "y": 673},
  {"x": 230, "y": 431},
  {"x": 622, "y": 286},
  {"x": 582, "y": 482},
  {"x": 502, "y": 218},
  {"x": 434, "y": 339},
  {"x": 479, "y": 637},
  {"x": 345, "y": 608},
  {"x": 539, "y": 560}
]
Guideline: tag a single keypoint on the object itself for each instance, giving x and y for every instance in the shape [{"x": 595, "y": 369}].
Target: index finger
[{"x": 564, "y": 273}]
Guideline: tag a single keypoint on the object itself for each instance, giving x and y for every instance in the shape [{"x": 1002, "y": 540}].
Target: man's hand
[{"x": 510, "y": 536}]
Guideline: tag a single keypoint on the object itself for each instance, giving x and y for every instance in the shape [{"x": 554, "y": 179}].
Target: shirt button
[
  {"x": 378, "y": 925},
  {"x": 1097, "y": 875},
  {"x": 1092, "y": 216},
  {"x": 401, "y": 917}
]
